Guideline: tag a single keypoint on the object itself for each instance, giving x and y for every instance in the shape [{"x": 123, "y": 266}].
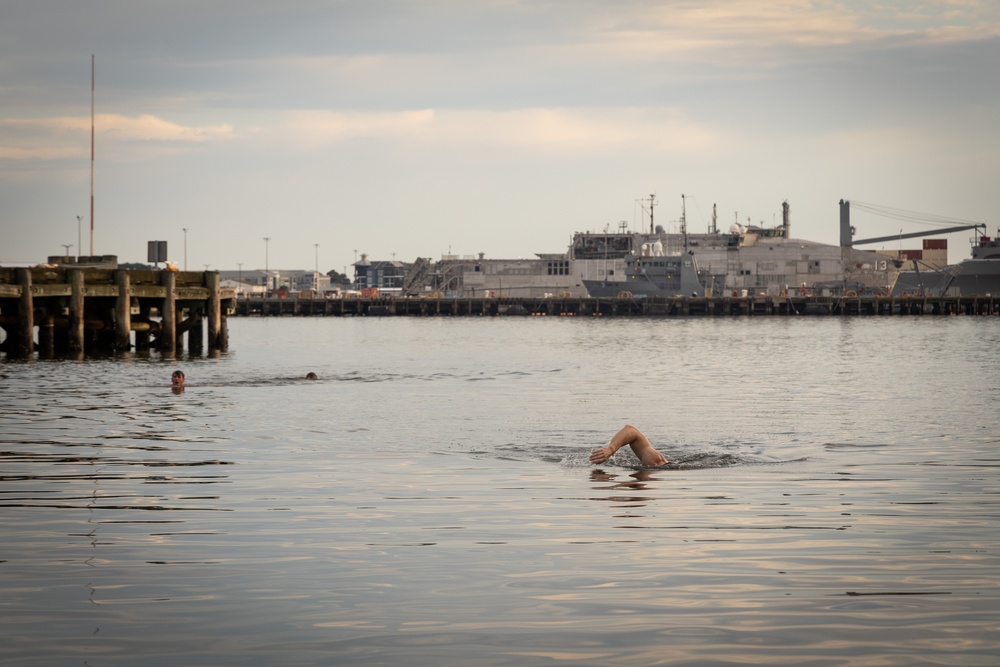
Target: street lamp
[
  {"x": 185, "y": 248},
  {"x": 67, "y": 246},
  {"x": 316, "y": 272},
  {"x": 267, "y": 274},
  {"x": 79, "y": 220}
]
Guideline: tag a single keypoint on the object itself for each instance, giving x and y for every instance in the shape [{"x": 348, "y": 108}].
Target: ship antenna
[
  {"x": 651, "y": 205},
  {"x": 683, "y": 215},
  {"x": 684, "y": 229}
]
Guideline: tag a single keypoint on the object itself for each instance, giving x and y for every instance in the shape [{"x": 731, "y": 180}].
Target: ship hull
[
  {"x": 624, "y": 288},
  {"x": 972, "y": 277}
]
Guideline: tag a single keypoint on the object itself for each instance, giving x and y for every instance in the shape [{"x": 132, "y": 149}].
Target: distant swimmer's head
[
  {"x": 312, "y": 376},
  {"x": 177, "y": 379}
]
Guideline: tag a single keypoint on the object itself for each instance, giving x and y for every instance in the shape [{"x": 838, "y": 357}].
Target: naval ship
[
  {"x": 979, "y": 275},
  {"x": 745, "y": 259},
  {"x": 652, "y": 273}
]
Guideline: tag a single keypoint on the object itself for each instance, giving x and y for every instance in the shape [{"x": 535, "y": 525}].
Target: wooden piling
[
  {"x": 212, "y": 282},
  {"x": 47, "y": 336},
  {"x": 142, "y": 334},
  {"x": 195, "y": 333},
  {"x": 76, "y": 310},
  {"x": 25, "y": 344},
  {"x": 123, "y": 312},
  {"x": 168, "y": 314},
  {"x": 223, "y": 335}
]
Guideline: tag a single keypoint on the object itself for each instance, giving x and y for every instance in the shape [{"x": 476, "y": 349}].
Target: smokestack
[{"x": 786, "y": 218}]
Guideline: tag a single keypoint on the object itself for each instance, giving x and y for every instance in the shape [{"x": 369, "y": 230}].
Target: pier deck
[
  {"x": 78, "y": 310},
  {"x": 621, "y": 306}
]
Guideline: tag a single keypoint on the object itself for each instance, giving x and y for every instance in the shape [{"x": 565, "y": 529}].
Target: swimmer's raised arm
[{"x": 634, "y": 438}]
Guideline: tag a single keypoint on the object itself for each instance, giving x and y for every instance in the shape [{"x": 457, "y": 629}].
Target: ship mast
[
  {"x": 684, "y": 229},
  {"x": 652, "y": 203}
]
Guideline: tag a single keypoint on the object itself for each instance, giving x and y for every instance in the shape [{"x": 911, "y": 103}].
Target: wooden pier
[
  {"x": 80, "y": 310},
  {"x": 751, "y": 306}
]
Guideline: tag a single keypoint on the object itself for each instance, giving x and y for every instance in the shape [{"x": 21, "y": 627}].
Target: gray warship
[
  {"x": 979, "y": 275},
  {"x": 652, "y": 273}
]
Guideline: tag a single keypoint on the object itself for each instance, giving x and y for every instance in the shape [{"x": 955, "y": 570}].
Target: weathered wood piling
[{"x": 87, "y": 310}]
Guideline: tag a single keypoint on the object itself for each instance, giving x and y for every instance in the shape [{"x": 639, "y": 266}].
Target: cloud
[
  {"x": 551, "y": 130},
  {"x": 57, "y": 138}
]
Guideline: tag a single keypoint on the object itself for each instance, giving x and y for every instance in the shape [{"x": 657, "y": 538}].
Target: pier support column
[
  {"x": 123, "y": 312},
  {"x": 142, "y": 335},
  {"x": 47, "y": 336},
  {"x": 24, "y": 346},
  {"x": 195, "y": 333},
  {"x": 76, "y": 310},
  {"x": 212, "y": 282},
  {"x": 168, "y": 314},
  {"x": 224, "y": 333}
]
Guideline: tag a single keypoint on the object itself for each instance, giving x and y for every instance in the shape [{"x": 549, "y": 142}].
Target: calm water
[{"x": 833, "y": 497}]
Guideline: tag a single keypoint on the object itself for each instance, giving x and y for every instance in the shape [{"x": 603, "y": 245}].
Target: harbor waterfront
[
  {"x": 61, "y": 311},
  {"x": 832, "y": 497}
]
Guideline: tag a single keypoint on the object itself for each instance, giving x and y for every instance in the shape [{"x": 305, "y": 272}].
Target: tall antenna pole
[
  {"x": 91, "y": 154},
  {"x": 684, "y": 228},
  {"x": 652, "y": 203},
  {"x": 684, "y": 224}
]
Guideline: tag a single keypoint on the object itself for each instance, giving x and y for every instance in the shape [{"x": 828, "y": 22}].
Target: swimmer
[
  {"x": 311, "y": 376},
  {"x": 177, "y": 379},
  {"x": 633, "y": 437}
]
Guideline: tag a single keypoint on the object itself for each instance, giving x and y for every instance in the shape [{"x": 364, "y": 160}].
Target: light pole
[
  {"x": 185, "y": 248},
  {"x": 67, "y": 246},
  {"x": 267, "y": 274},
  {"x": 316, "y": 272},
  {"x": 79, "y": 220}
]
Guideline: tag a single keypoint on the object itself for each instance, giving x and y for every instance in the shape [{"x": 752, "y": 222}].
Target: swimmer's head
[
  {"x": 177, "y": 379},
  {"x": 311, "y": 376}
]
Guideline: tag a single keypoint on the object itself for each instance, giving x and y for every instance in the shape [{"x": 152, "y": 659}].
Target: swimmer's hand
[{"x": 601, "y": 455}]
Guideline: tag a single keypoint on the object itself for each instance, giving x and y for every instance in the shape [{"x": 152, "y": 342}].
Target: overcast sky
[{"x": 406, "y": 128}]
